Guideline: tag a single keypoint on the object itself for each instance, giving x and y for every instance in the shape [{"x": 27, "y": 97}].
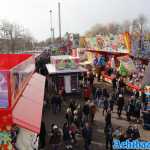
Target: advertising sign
[
  {"x": 19, "y": 76},
  {"x": 66, "y": 64},
  {"x": 109, "y": 42},
  {"x": 3, "y": 90}
]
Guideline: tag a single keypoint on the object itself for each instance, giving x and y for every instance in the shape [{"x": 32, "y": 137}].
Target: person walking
[
  {"x": 42, "y": 135},
  {"x": 87, "y": 136},
  {"x": 72, "y": 105},
  {"x": 94, "y": 89},
  {"x": 66, "y": 134},
  {"x": 54, "y": 104},
  {"x": 132, "y": 107},
  {"x": 92, "y": 112},
  {"x": 58, "y": 102},
  {"x": 69, "y": 116},
  {"x": 108, "y": 118},
  {"x": 98, "y": 96},
  {"x": 120, "y": 104},
  {"x": 114, "y": 84},
  {"x": 128, "y": 111},
  {"x": 86, "y": 111},
  {"x": 86, "y": 93},
  {"x": 137, "y": 110},
  {"x": 112, "y": 102},
  {"x": 55, "y": 138},
  {"x": 91, "y": 79},
  {"x": 105, "y": 105},
  {"x": 108, "y": 136},
  {"x": 136, "y": 133}
]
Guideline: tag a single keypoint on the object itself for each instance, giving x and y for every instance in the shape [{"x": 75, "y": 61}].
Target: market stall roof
[
  {"x": 8, "y": 61},
  {"x": 52, "y": 69},
  {"x": 63, "y": 57},
  {"x": 116, "y": 53},
  {"x": 28, "y": 111}
]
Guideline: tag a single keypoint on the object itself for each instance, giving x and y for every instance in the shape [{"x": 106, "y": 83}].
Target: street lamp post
[
  {"x": 59, "y": 17},
  {"x": 51, "y": 26}
]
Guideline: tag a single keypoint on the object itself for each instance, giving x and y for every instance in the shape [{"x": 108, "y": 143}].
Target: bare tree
[
  {"x": 139, "y": 23},
  {"x": 142, "y": 21},
  {"x": 100, "y": 29},
  {"x": 14, "y": 36},
  {"x": 126, "y": 26}
]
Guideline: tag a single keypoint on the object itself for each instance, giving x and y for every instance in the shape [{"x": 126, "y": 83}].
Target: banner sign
[
  {"x": 65, "y": 62},
  {"x": 120, "y": 42}
]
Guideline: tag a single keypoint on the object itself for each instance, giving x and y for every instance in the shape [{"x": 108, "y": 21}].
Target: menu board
[{"x": 3, "y": 90}]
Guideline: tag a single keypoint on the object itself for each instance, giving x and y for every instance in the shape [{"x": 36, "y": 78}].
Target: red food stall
[{"x": 18, "y": 83}]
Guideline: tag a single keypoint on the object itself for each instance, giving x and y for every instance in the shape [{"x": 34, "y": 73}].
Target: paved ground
[{"x": 98, "y": 126}]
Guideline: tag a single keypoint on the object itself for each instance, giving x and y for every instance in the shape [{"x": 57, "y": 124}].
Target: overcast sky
[{"x": 77, "y": 15}]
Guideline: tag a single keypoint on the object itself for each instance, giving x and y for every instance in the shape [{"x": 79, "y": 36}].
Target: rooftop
[
  {"x": 8, "y": 61},
  {"x": 62, "y": 57}
]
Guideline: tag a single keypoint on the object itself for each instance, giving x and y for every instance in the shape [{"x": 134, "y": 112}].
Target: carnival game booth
[
  {"x": 64, "y": 72},
  {"x": 18, "y": 106},
  {"x": 133, "y": 76},
  {"x": 116, "y": 45}
]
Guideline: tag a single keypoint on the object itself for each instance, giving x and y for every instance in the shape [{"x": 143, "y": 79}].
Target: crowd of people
[{"x": 79, "y": 118}]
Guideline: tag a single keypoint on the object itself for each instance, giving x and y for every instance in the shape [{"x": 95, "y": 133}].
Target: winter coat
[
  {"x": 55, "y": 138},
  {"x": 87, "y": 134},
  {"x": 66, "y": 134},
  {"x": 86, "y": 109}
]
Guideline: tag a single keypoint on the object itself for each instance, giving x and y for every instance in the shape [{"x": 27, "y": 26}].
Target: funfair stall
[
  {"x": 64, "y": 71},
  {"x": 18, "y": 82}
]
